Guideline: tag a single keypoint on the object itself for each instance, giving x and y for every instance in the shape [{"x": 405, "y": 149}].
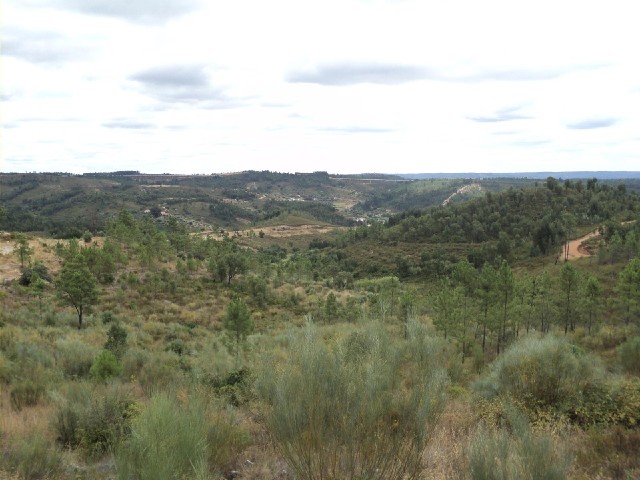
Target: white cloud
[{"x": 339, "y": 85}]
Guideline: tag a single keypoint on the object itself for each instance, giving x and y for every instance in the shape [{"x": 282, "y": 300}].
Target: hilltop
[{"x": 600, "y": 175}]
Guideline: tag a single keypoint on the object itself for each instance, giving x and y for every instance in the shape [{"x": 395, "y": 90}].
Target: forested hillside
[
  {"x": 458, "y": 341},
  {"x": 514, "y": 225},
  {"x": 64, "y": 205}
]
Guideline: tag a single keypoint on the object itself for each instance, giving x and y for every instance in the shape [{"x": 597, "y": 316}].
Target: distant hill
[
  {"x": 65, "y": 205},
  {"x": 601, "y": 175},
  {"x": 516, "y": 224}
]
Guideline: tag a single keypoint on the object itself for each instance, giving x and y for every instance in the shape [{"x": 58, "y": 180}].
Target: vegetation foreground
[{"x": 452, "y": 342}]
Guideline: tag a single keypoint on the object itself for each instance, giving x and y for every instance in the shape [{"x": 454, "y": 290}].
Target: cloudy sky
[{"x": 207, "y": 86}]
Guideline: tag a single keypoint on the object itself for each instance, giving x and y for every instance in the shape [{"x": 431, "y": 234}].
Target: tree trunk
[{"x": 484, "y": 336}]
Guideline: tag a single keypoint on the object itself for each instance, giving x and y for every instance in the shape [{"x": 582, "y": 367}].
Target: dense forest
[{"x": 306, "y": 326}]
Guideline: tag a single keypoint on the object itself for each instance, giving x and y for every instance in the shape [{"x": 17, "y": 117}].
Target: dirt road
[{"x": 576, "y": 250}]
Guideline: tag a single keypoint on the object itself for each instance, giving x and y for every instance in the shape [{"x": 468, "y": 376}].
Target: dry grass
[
  {"x": 43, "y": 250},
  {"x": 261, "y": 460},
  {"x": 446, "y": 454},
  {"x": 445, "y": 457},
  {"x": 612, "y": 453},
  {"x": 20, "y": 424}
]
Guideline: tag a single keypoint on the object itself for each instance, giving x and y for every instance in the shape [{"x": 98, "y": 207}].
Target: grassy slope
[{"x": 192, "y": 315}]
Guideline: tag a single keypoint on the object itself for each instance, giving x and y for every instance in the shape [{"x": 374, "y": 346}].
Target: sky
[{"x": 344, "y": 86}]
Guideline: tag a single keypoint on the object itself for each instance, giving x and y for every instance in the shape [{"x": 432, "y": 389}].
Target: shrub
[
  {"x": 617, "y": 402},
  {"x": 106, "y": 421},
  {"x": 162, "y": 371},
  {"x": 344, "y": 412},
  {"x": 626, "y": 396},
  {"x": 38, "y": 268},
  {"x": 107, "y": 317},
  {"x": 170, "y": 440},
  {"x": 26, "y": 393},
  {"x": 629, "y": 355},
  {"x": 75, "y": 357},
  {"x": 514, "y": 451},
  {"x": 6, "y": 369},
  {"x": 94, "y": 420},
  {"x": 29, "y": 357},
  {"x": 68, "y": 416},
  {"x": 33, "y": 458},
  {"x": 543, "y": 373},
  {"x": 177, "y": 346},
  {"x": 233, "y": 387},
  {"x": 105, "y": 366},
  {"x": 8, "y": 339},
  {"x": 431, "y": 353},
  {"x": 134, "y": 361},
  {"x": 116, "y": 340},
  {"x": 595, "y": 459}
]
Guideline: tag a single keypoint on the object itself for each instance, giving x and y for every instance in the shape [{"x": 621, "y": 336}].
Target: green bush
[
  {"x": 629, "y": 355},
  {"x": 75, "y": 358},
  {"x": 543, "y": 373},
  {"x": 116, "y": 340},
  {"x": 68, "y": 416},
  {"x": 345, "y": 411},
  {"x": 430, "y": 353},
  {"x": 33, "y": 458},
  {"x": 626, "y": 396},
  {"x": 108, "y": 317},
  {"x": 8, "y": 339},
  {"x": 94, "y": 420},
  {"x": 153, "y": 370},
  {"x": 106, "y": 421},
  {"x": 38, "y": 269},
  {"x": 29, "y": 357},
  {"x": 161, "y": 370},
  {"x": 134, "y": 362},
  {"x": 171, "y": 440},
  {"x": 234, "y": 387},
  {"x": 177, "y": 346},
  {"x": 6, "y": 369},
  {"x": 617, "y": 402},
  {"x": 26, "y": 394},
  {"x": 105, "y": 366},
  {"x": 513, "y": 451}
]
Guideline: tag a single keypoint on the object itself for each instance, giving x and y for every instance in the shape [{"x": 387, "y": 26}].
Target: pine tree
[
  {"x": 238, "y": 324},
  {"x": 76, "y": 286},
  {"x": 22, "y": 248}
]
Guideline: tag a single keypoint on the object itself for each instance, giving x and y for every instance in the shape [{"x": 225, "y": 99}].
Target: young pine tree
[
  {"x": 238, "y": 324},
  {"x": 76, "y": 286}
]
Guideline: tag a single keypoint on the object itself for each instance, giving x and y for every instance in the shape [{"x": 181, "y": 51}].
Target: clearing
[{"x": 576, "y": 248}]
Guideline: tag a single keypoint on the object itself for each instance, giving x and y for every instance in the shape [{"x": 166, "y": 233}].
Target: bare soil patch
[
  {"x": 576, "y": 247},
  {"x": 43, "y": 250},
  {"x": 279, "y": 231}
]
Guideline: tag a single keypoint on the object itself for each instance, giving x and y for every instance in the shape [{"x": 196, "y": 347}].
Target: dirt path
[
  {"x": 461, "y": 190},
  {"x": 576, "y": 250}
]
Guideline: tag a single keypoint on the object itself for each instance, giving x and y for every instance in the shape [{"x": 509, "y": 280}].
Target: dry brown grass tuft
[
  {"x": 446, "y": 454},
  {"x": 612, "y": 453},
  {"x": 20, "y": 424},
  {"x": 261, "y": 460}
]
